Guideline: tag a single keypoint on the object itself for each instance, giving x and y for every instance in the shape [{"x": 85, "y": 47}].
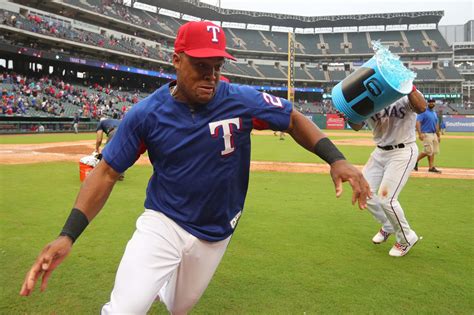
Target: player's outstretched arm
[
  {"x": 90, "y": 200},
  {"x": 49, "y": 258},
  {"x": 342, "y": 171},
  {"x": 309, "y": 136}
]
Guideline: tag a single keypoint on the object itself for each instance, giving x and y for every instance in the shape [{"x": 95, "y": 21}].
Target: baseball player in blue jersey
[{"x": 197, "y": 133}]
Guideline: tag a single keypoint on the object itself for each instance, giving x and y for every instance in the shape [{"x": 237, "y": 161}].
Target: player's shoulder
[
  {"x": 240, "y": 92},
  {"x": 151, "y": 102}
]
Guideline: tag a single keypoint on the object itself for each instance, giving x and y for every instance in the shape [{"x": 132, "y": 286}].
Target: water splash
[{"x": 393, "y": 69}]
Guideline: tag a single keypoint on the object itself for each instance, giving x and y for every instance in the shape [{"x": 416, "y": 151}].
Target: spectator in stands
[
  {"x": 40, "y": 128},
  {"x": 427, "y": 126}
]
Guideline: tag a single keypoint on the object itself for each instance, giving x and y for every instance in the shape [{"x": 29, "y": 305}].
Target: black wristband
[
  {"x": 327, "y": 151},
  {"x": 75, "y": 224}
]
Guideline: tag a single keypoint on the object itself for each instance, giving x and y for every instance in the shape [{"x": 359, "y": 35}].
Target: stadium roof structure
[{"x": 214, "y": 13}]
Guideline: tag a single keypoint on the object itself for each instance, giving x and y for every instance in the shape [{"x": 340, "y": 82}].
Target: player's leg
[
  {"x": 428, "y": 148},
  {"x": 373, "y": 173},
  {"x": 435, "y": 147},
  {"x": 150, "y": 258},
  {"x": 198, "y": 264},
  {"x": 399, "y": 166}
]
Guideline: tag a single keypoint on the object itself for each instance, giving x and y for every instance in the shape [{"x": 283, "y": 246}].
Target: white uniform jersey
[{"x": 394, "y": 124}]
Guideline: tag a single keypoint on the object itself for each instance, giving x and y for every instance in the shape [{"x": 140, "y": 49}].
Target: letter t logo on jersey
[
  {"x": 215, "y": 30},
  {"x": 227, "y": 128}
]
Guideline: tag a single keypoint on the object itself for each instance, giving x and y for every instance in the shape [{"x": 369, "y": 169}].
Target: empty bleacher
[
  {"x": 310, "y": 43},
  {"x": 416, "y": 41},
  {"x": 316, "y": 73},
  {"x": 334, "y": 41},
  {"x": 300, "y": 74},
  {"x": 426, "y": 75},
  {"x": 337, "y": 75},
  {"x": 279, "y": 39},
  {"x": 271, "y": 71},
  {"x": 441, "y": 43},
  {"x": 451, "y": 73},
  {"x": 359, "y": 43},
  {"x": 393, "y": 37},
  {"x": 248, "y": 70},
  {"x": 252, "y": 39}
]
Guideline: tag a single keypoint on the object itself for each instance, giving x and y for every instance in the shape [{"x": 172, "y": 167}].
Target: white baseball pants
[
  {"x": 163, "y": 261},
  {"x": 387, "y": 172}
]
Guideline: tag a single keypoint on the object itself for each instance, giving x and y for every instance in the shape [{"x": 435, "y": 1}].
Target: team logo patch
[
  {"x": 215, "y": 30},
  {"x": 228, "y": 126}
]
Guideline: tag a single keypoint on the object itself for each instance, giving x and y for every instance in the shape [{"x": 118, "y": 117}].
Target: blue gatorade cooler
[{"x": 367, "y": 91}]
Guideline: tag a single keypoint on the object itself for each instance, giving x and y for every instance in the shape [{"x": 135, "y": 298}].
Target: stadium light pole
[{"x": 291, "y": 67}]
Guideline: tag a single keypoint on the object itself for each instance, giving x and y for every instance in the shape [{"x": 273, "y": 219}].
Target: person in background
[
  {"x": 75, "y": 123},
  {"x": 427, "y": 127},
  {"x": 107, "y": 126}
]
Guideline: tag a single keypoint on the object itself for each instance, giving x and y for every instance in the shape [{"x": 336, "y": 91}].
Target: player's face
[
  {"x": 431, "y": 105},
  {"x": 197, "y": 78}
]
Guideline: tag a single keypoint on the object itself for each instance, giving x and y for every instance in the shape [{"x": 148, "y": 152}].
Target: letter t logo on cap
[{"x": 215, "y": 30}]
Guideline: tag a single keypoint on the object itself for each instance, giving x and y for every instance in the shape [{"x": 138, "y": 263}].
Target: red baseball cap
[{"x": 201, "y": 40}]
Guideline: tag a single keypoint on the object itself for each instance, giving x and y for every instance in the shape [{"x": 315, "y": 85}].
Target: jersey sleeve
[
  {"x": 271, "y": 112},
  {"x": 128, "y": 141}
]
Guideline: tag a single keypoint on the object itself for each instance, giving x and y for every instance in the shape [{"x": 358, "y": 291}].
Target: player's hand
[
  {"x": 49, "y": 258},
  {"x": 439, "y": 139},
  {"x": 421, "y": 136},
  {"x": 343, "y": 171}
]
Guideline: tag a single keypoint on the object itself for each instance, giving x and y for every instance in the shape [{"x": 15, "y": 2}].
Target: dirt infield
[{"x": 74, "y": 151}]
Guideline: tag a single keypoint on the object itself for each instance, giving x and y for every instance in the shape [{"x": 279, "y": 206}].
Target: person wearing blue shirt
[
  {"x": 197, "y": 133},
  {"x": 109, "y": 127},
  {"x": 427, "y": 127}
]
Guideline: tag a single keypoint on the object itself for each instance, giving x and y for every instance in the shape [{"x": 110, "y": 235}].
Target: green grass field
[{"x": 297, "y": 249}]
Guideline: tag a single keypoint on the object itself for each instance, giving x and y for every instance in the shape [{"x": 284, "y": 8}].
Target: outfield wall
[
  {"x": 22, "y": 124},
  {"x": 454, "y": 123},
  {"x": 19, "y": 124}
]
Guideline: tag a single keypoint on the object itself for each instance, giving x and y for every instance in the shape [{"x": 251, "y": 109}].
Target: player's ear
[{"x": 177, "y": 59}]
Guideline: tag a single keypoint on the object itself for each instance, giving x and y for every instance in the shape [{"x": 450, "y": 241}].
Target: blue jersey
[
  {"x": 107, "y": 125},
  {"x": 201, "y": 157},
  {"x": 428, "y": 121}
]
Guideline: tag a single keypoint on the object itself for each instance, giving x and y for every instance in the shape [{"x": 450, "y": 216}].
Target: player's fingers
[
  {"x": 338, "y": 185},
  {"x": 364, "y": 194},
  {"x": 362, "y": 199},
  {"x": 24, "y": 291},
  {"x": 355, "y": 189},
  {"x": 44, "y": 281},
  {"x": 30, "y": 279}
]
